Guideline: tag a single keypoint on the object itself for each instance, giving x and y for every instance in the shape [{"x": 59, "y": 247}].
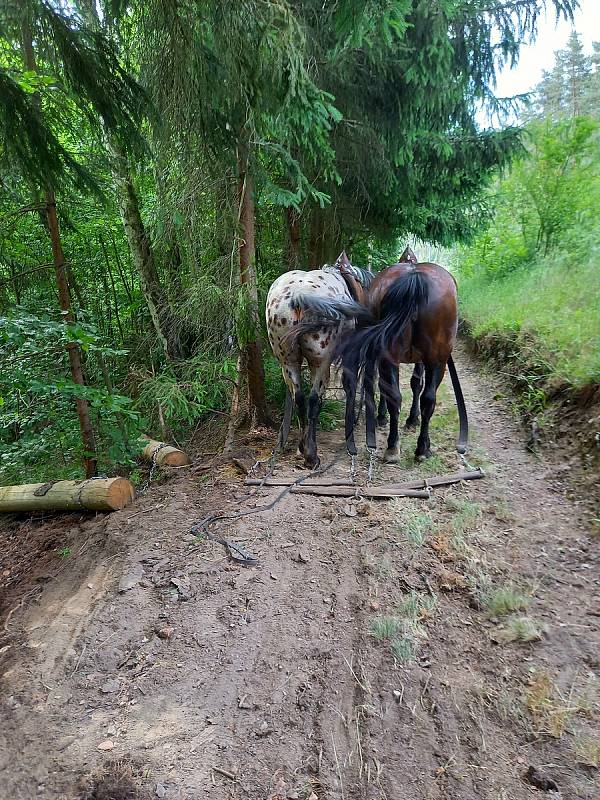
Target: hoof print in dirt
[
  {"x": 110, "y": 686},
  {"x": 540, "y": 780}
]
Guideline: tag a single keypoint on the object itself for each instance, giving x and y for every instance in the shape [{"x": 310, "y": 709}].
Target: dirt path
[{"x": 379, "y": 650}]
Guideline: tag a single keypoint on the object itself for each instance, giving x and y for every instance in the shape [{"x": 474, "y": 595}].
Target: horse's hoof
[
  {"x": 381, "y": 422},
  {"x": 312, "y": 465},
  {"x": 409, "y": 425},
  {"x": 391, "y": 455},
  {"x": 423, "y": 456}
]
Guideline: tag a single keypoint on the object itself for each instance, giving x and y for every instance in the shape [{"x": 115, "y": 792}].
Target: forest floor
[{"x": 441, "y": 649}]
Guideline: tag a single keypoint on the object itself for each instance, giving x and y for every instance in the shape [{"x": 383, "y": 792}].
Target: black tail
[
  {"x": 323, "y": 313},
  {"x": 463, "y": 436},
  {"x": 401, "y": 305}
]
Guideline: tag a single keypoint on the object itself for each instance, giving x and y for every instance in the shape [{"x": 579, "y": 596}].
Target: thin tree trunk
[
  {"x": 64, "y": 298},
  {"x": 140, "y": 246},
  {"x": 15, "y": 282},
  {"x": 142, "y": 254},
  {"x": 114, "y": 290},
  {"x": 83, "y": 409},
  {"x": 252, "y": 348},
  {"x": 128, "y": 291},
  {"x": 293, "y": 238},
  {"x": 234, "y": 410},
  {"x": 315, "y": 247}
]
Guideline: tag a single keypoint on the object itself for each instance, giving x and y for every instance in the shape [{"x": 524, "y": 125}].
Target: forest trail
[{"x": 367, "y": 656}]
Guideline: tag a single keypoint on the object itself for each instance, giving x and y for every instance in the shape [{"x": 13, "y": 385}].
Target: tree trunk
[
  {"x": 83, "y": 409},
  {"x": 325, "y": 237},
  {"x": 293, "y": 238},
  {"x": 64, "y": 298},
  {"x": 142, "y": 254},
  {"x": 252, "y": 347},
  {"x": 315, "y": 247},
  {"x": 138, "y": 240}
]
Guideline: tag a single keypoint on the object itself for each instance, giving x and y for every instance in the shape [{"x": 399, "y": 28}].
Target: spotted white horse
[{"x": 294, "y": 338}]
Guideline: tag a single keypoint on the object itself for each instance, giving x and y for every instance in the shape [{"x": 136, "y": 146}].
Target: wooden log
[
  {"x": 99, "y": 494},
  {"x": 421, "y": 483},
  {"x": 167, "y": 456}
]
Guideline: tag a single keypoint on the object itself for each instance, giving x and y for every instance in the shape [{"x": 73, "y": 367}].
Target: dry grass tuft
[
  {"x": 587, "y": 751},
  {"x": 550, "y": 712}
]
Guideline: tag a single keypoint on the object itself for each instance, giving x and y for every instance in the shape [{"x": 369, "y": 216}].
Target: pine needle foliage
[{"x": 79, "y": 75}]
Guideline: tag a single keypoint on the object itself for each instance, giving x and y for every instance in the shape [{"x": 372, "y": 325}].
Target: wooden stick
[
  {"x": 167, "y": 456},
  {"x": 101, "y": 494},
  {"x": 226, "y": 773},
  {"x": 361, "y": 491}
]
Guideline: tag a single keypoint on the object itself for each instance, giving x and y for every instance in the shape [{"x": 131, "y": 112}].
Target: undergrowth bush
[
  {"x": 534, "y": 274},
  {"x": 39, "y": 430}
]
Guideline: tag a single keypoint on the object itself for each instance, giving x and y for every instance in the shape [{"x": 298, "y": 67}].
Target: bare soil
[{"x": 372, "y": 653}]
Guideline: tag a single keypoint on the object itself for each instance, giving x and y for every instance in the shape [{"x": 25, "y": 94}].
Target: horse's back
[
  {"x": 434, "y": 331},
  {"x": 282, "y": 313}
]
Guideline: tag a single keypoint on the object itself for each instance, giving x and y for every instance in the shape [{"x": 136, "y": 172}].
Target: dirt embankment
[
  {"x": 559, "y": 418},
  {"x": 441, "y": 649}
]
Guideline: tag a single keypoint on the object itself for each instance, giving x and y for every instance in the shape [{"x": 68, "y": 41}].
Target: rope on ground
[{"x": 235, "y": 551}]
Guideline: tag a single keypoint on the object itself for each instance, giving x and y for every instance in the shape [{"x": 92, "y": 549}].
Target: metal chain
[
  {"x": 352, "y": 467},
  {"x": 145, "y": 486},
  {"x": 372, "y": 453},
  {"x": 82, "y": 486}
]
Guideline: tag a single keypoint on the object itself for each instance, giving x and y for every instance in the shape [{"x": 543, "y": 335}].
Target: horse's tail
[
  {"x": 323, "y": 313},
  {"x": 401, "y": 305},
  {"x": 463, "y": 436}
]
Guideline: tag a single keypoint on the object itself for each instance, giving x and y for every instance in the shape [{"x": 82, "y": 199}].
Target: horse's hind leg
[
  {"x": 292, "y": 376},
  {"x": 390, "y": 376},
  {"x": 416, "y": 385},
  {"x": 382, "y": 409},
  {"x": 369, "y": 384},
  {"x": 349, "y": 381},
  {"x": 433, "y": 377},
  {"x": 320, "y": 380},
  {"x": 284, "y": 430}
]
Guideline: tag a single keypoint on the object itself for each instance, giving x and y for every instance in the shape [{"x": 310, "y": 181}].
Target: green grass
[
  {"x": 383, "y": 628},
  {"x": 403, "y": 631},
  {"x": 553, "y": 307},
  {"x": 417, "y": 527},
  {"x": 524, "y": 629},
  {"x": 504, "y": 600}
]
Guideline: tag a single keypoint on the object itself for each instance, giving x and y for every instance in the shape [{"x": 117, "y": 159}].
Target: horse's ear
[{"x": 343, "y": 259}]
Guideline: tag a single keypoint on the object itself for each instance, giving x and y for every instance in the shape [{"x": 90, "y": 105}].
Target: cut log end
[
  {"x": 166, "y": 455},
  {"x": 120, "y": 494}
]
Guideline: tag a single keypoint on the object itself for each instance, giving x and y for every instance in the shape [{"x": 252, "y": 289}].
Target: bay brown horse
[
  {"x": 414, "y": 320},
  {"x": 416, "y": 381}
]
